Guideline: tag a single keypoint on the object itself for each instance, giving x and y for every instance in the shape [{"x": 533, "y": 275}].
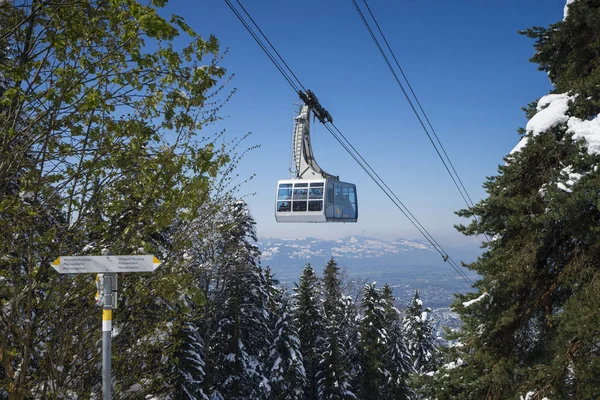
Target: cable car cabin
[
  {"x": 315, "y": 200},
  {"x": 312, "y": 195}
]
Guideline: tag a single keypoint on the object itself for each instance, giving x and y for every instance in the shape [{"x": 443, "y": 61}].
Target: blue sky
[{"x": 464, "y": 59}]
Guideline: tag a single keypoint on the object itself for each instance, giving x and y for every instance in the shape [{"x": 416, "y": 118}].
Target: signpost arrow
[{"x": 105, "y": 264}]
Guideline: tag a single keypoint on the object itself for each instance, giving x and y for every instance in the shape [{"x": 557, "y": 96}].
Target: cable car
[{"x": 313, "y": 195}]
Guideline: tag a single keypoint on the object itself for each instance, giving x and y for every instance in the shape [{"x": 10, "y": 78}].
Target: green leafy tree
[
  {"x": 99, "y": 124},
  {"x": 532, "y": 329}
]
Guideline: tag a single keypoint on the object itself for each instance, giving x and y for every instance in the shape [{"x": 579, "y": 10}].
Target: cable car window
[
  {"x": 300, "y": 194},
  {"x": 315, "y": 193},
  {"x": 299, "y": 206},
  {"x": 285, "y": 191},
  {"x": 284, "y": 206},
  {"x": 298, "y": 185},
  {"x": 330, "y": 193},
  {"x": 338, "y": 194},
  {"x": 315, "y": 205}
]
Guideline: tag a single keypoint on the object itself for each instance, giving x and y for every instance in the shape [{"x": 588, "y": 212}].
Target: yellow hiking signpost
[
  {"x": 105, "y": 264},
  {"x": 106, "y": 267}
]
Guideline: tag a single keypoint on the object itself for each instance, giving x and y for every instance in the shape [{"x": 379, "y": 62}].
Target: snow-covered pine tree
[
  {"x": 373, "y": 343},
  {"x": 285, "y": 364},
  {"x": 350, "y": 338},
  {"x": 240, "y": 343},
  {"x": 419, "y": 336},
  {"x": 398, "y": 365},
  {"x": 308, "y": 316},
  {"x": 532, "y": 329},
  {"x": 333, "y": 377},
  {"x": 189, "y": 369}
]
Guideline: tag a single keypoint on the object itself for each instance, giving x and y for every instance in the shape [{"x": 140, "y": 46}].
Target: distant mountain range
[
  {"x": 352, "y": 250},
  {"x": 359, "y": 255}
]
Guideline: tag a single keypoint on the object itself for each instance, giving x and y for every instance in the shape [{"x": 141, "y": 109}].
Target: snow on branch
[{"x": 477, "y": 300}]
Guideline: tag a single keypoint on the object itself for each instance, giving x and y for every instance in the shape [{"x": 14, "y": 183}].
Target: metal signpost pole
[
  {"x": 106, "y": 338},
  {"x": 109, "y": 266}
]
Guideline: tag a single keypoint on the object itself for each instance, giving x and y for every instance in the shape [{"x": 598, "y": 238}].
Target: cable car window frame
[
  {"x": 284, "y": 206},
  {"x": 299, "y": 206},
  {"x": 315, "y": 205},
  {"x": 300, "y": 193},
  {"x": 316, "y": 191},
  {"x": 284, "y": 192}
]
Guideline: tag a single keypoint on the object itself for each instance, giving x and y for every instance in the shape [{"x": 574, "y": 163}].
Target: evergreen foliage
[
  {"x": 241, "y": 340},
  {"x": 189, "y": 373},
  {"x": 419, "y": 335},
  {"x": 287, "y": 376},
  {"x": 350, "y": 339},
  {"x": 397, "y": 362},
  {"x": 374, "y": 341},
  {"x": 532, "y": 328},
  {"x": 308, "y": 312},
  {"x": 333, "y": 376}
]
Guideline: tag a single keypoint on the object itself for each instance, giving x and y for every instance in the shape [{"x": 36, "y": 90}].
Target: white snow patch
[
  {"x": 26, "y": 195},
  {"x": 566, "y": 9},
  {"x": 589, "y": 130},
  {"x": 530, "y": 396},
  {"x": 552, "y": 110},
  {"x": 88, "y": 247},
  {"x": 572, "y": 178},
  {"x": 471, "y": 302},
  {"x": 454, "y": 364}
]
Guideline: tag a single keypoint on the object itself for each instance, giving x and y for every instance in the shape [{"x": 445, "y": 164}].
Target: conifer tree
[
  {"x": 287, "y": 376},
  {"x": 350, "y": 339},
  {"x": 419, "y": 335},
  {"x": 240, "y": 343},
  {"x": 532, "y": 329},
  {"x": 373, "y": 343},
  {"x": 334, "y": 377},
  {"x": 189, "y": 371},
  {"x": 398, "y": 366},
  {"x": 308, "y": 314}
]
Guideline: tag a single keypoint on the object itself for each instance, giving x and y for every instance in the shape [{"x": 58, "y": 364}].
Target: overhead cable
[
  {"x": 394, "y": 198},
  {"x": 288, "y": 76},
  {"x": 450, "y": 169},
  {"x": 295, "y": 83}
]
